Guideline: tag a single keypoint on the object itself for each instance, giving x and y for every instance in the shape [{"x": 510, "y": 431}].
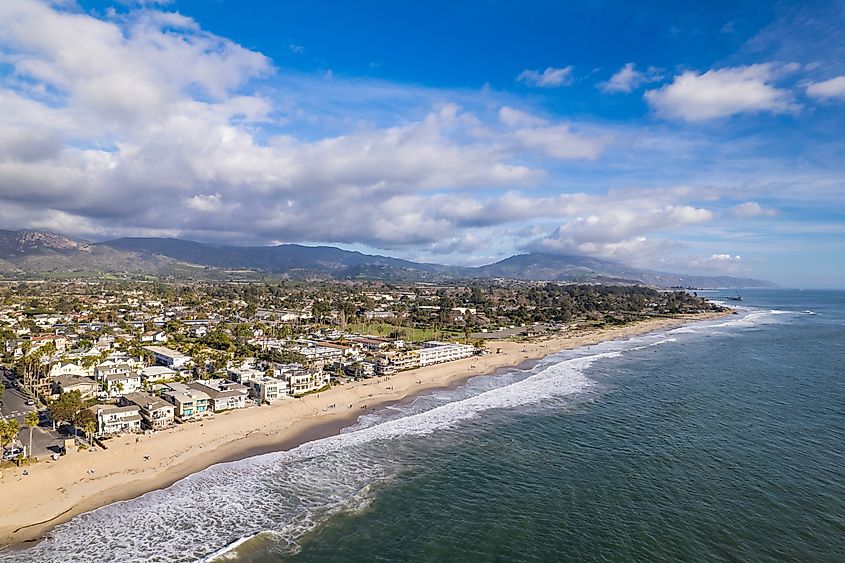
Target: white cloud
[
  {"x": 549, "y": 78},
  {"x": 204, "y": 203},
  {"x": 828, "y": 89},
  {"x": 557, "y": 140},
  {"x": 721, "y": 93},
  {"x": 751, "y": 209},
  {"x": 628, "y": 78}
]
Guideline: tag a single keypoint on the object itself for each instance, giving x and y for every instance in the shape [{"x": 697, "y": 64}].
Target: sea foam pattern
[{"x": 290, "y": 493}]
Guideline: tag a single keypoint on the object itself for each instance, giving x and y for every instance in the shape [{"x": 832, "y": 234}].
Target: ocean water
[{"x": 723, "y": 440}]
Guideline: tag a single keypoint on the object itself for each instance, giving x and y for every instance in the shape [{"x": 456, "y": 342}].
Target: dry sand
[{"x": 55, "y": 491}]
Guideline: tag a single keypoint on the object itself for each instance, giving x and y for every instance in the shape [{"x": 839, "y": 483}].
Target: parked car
[
  {"x": 12, "y": 454},
  {"x": 30, "y": 402}
]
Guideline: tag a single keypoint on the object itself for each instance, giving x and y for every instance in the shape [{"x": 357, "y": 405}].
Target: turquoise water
[{"x": 717, "y": 441}]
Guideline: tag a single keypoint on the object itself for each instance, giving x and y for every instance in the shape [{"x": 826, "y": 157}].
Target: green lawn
[{"x": 379, "y": 328}]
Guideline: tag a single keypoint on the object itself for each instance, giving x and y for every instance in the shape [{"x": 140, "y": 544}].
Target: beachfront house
[
  {"x": 399, "y": 360},
  {"x": 303, "y": 380},
  {"x": 189, "y": 403},
  {"x": 223, "y": 395},
  {"x": 156, "y": 414},
  {"x": 267, "y": 389},
  {"x": 117, "y": 420}
]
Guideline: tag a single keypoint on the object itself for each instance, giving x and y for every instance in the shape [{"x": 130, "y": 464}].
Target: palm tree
[
  {"x": 90, "y": 426},
  {"x": 31, "y": 421}
]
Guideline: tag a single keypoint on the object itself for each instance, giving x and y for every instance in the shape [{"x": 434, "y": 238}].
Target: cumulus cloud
[
  {"x": 751, "y": 209},
  {"x": 833, "y": 88},
  {"x": 619, "y": 229},
  {"x": 720, "y": 263},
  {"x": 628, "y": 79},
  {"x": 552, "y": 139},
  {"x": 149, "y": 108},
  {"x": 549, "y": 78},
  {"x": 721, "y": 93}
]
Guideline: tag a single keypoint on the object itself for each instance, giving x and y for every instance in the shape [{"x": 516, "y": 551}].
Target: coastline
[{"x": 55, "y": 492}]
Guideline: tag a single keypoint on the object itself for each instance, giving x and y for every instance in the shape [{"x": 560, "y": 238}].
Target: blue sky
[{"x": 683, "y": 136}]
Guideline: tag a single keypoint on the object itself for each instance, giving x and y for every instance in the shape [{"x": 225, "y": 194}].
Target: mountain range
[{"x": 27, "y": 254}]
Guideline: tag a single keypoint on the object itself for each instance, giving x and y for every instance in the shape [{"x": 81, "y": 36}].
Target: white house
[
  {"x": 156, "y": 414},
  {"x": 66, "y": 368},
  {"x": 303, "y": 380},
  {"x": 117, "y": 420},
  {"x": 266, "y": 389},
  {"x": 111, "y": 367},
  {"x": 120, "y": 384}
]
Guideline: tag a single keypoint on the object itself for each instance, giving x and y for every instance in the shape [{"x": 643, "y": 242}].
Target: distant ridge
[{"x": 33, "y": 253}]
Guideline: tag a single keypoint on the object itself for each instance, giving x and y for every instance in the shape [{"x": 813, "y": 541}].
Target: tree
[
  {"x": 31, "y": 421},
  {"x": 66, "y": 407},
  {"x": 84, "y": 419},
  {"x": 90, "y": 427},
  {"x": 8, "y": 431}
]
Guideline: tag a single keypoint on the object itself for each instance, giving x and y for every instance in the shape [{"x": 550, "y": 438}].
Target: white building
[
  {"x": 67, "y": 368},
  {"x": 111, "y": 367},
  {"x": 434, "y": 352},
  {"x": 168, "y": 357},
  {"x": 267, "y": 389},
  {"x": 318, "y": 353},
  {"x": 117, "y": 420},
  {"x": 156, "y": 414},
  {"x": 304, "y": 381},
  {"x": 120, "y": 384}
]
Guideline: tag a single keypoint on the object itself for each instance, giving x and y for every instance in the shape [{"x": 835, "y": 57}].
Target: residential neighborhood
[{"x": 97, "y": 360}]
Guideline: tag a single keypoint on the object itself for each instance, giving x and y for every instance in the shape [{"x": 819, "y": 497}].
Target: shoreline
[{"x": 56, "y": 491}]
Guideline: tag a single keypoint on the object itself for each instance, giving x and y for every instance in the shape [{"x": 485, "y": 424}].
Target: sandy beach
[{"x": 55, "y": 491}]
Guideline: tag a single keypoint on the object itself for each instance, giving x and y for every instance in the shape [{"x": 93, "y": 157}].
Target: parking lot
[{"x": 14, "y": 406}]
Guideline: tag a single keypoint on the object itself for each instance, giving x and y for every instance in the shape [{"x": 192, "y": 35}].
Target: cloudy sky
[{"x": 688, "y": 136}]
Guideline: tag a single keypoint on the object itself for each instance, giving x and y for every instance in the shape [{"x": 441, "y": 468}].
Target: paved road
[
  {"x": 14, "y": 406},
  {"x": 14, "y": 401}
]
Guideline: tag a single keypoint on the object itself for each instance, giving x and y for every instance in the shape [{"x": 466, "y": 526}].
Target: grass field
[{"x": 379, "y": 328}]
